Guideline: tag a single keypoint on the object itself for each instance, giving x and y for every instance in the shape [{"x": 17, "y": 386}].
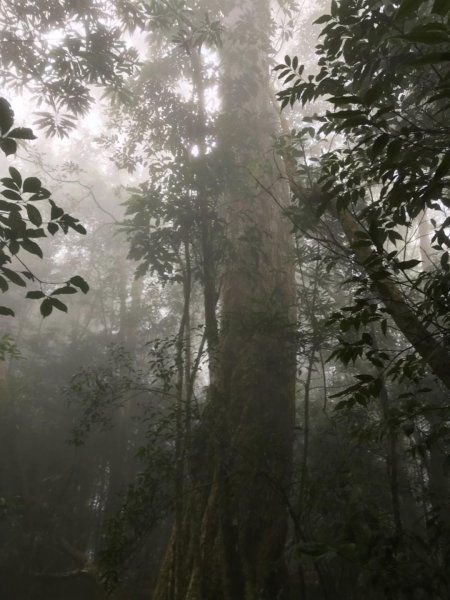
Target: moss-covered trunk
[{"x": 230, "y": 545}]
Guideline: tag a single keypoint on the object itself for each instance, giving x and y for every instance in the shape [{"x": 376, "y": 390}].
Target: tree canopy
[{"x": 253, "y": 399}]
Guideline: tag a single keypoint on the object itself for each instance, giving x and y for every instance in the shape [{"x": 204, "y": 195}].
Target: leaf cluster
[
  {"x": 60, "y": 49},
  {"x": 22, "y": 222},
  {"x": 385, "y": 70}
]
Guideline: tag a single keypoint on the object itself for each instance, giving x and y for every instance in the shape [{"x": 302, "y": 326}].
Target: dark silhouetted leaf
[
  {"x": 64, "y": 290},
  {"x": 8, "y": 146},
  {"x": 441, "y": 7},
  {"x": 13, "y": 276},
  {"x": 31, "y": 185},
  {"x": 35, "y": 295},
  {"x": 58, "y": 304},
  {"x": 46, "y": 307},
  {"x": 408, "y": 6},
  {"x": 6, "y": 116},
  {"x": 31, "y": 247},
  {"x": 34, "y": 215},
  {"x": 407, "y": 264},
  {"x": 22, "y": 133},
  {"x": 15, "y": 176},
  {"x": 11, "y": 195},
  {"x": 79, "y": 282},
  {"x": 55, "y": 211}
]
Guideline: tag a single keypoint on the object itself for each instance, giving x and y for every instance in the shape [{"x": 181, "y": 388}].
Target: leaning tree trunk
[{"x": 231, "y": 541}]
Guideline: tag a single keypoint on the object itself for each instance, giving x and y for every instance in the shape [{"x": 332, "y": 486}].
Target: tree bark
[
  {"x": 235, "y": 516},
  {"x": 434, "y": 353}
]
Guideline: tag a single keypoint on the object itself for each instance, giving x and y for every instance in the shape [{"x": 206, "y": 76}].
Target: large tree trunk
[
  {"x": 230, "y": 544},
  {"x": 431, "y": 349}
]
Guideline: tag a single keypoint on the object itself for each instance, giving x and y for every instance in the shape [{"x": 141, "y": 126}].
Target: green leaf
[
  {"x": 46, "y": 307},
  {"x": 55, "y": 211},
  {"x": 11, "y": 195},
  {"x": 7, "y": 206},
  {"x": 4, "y": 286},
  {"x": 79, "y": 282},
  {"x": 394, "y": 236},
  {"x": 52, "y": 228},
  {"x": 8, "y": 146},
  {"x": 354, "y": 122},
  {"x": 4, "y": 310},
  {"x": 13, "y": 276},
  {"x": 322, "y": 19},
  {"x": 408, "y": 6},
  {"x": 393, "y": 150},
  {"x": 14, "y": 247},
  {"x": 79, "y": 228},
  {"x": 343, "y": 404},
  {"x": 379, "y": 145},
  {"x": 58, "y": 304},
  {"x": 6, "y": 116},
  {"x": 35, "y": 295},
  {"x": 36, "y": 233},
  {"x": 64, "y": 290},
  {"x": 34, "y": 215},
  {"x": 338, "y": 100},
  {"x": 407, "y": 264},
  {"x": 16, "y": 176},
  {"x": 289, "y": 78},
  {"x": 22, "y": 133},
  {"x": 367, "y": 339},
  {"x": 285, "y": 102},
  {"x": 344, "y": 114},
  {"x": 9, "y": 183},
  {"x": 365, "y": 377},
  {"x": 43, "y": 194},
  {"x": 374, "y": 93},
  {"x": 443, "y": 167},
  {"x": 432, "y": 33},
  {"x": 441, "y": 7},
  {"x": 31, "y": 185},
  {"x": 430, "y": 59},
  {"x": 361, "y": 244},
  {"x": 31, "y": 247}
]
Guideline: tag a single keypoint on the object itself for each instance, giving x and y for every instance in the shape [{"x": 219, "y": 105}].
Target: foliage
[
  {"x": 155, "y": 230},
  {"x": 22, "y": 223},
  {"x": 99, "y": 391},
  {"x": 8, "y": 348},
  {"x": 136, "y": 417},
  {"x": 59, "y": 50},
  {"x": 388, "y": 77},
  {"x": 104, "y": 395},
  {"x": 384, "y": 72},
  {"x": 171, "y": 134},
  {"x": 147, "y": 501}
]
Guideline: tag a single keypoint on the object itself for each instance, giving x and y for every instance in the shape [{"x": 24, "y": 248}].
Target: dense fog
[{"x": 224, "y": 299}]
